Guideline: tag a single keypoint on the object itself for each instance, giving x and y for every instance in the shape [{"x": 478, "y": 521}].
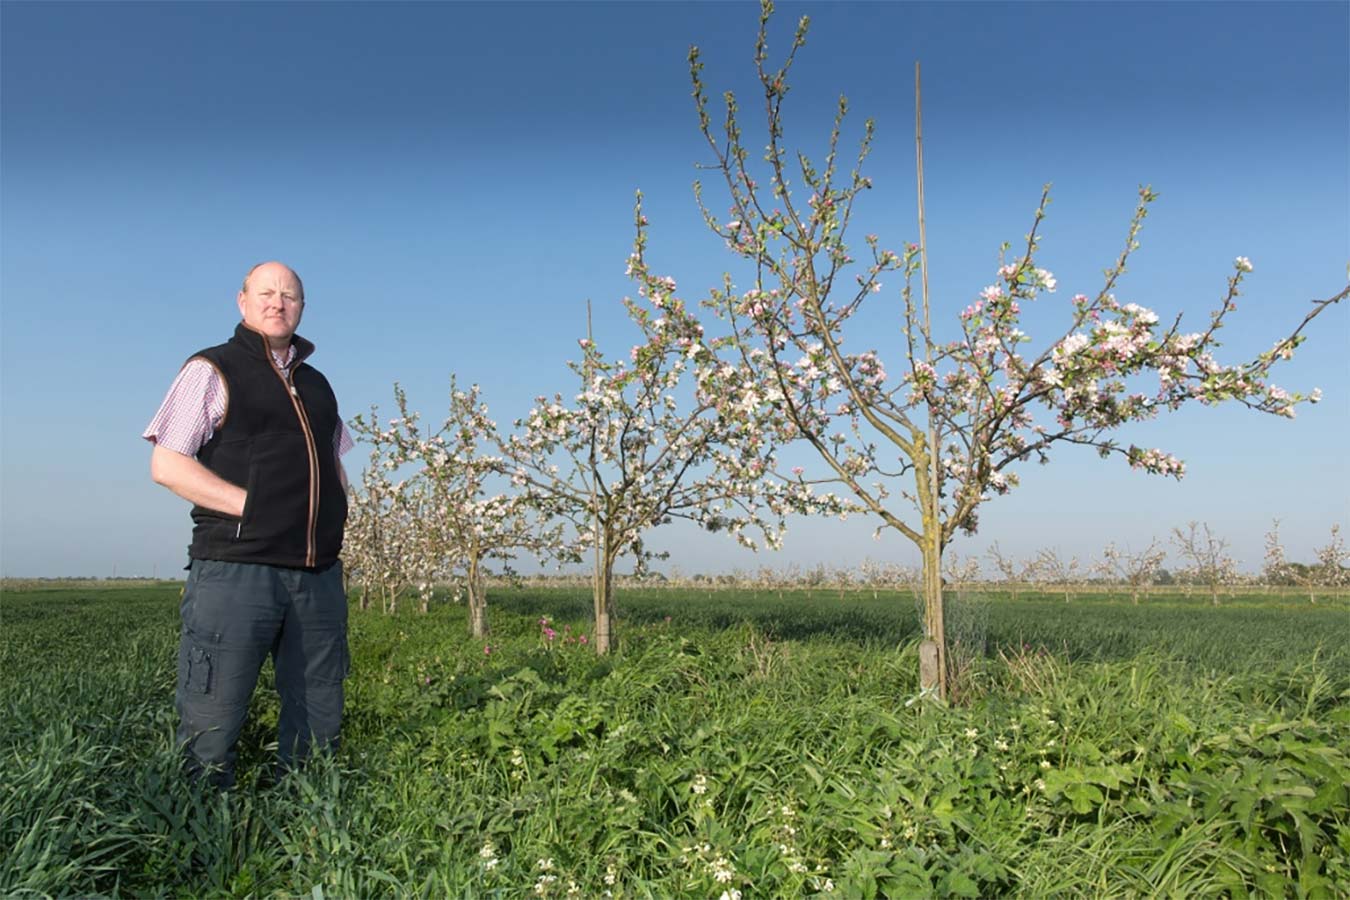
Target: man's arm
[
  {"x": 195, "y": 483},
  {"x": 191, "y": 412}
]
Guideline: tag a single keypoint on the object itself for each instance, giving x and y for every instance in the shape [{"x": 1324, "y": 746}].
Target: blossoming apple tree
[
  {"x": 672, "y": 432},
  {"x": 1138, "y": 569},
  {"x": 1012, "y": 571},
  {"x": 1328, "y": 572},
  {"x": 444, "y": 515},
  {"x": 1205, "y": 558},
  {"x": 1052, "y": 567},
  {"x": 383, "y": 551},
  {"x": 924, "y": 435}
]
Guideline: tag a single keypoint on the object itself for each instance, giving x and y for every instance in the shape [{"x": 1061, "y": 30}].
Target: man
[{"x": 250, "y": 435}]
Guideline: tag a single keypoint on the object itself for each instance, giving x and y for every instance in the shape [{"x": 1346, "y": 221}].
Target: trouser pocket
[{"x": 197, "y": 678}]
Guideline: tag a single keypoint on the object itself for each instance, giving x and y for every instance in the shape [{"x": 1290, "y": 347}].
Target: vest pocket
[
  {"x": 277, "y": 507},
  {"x": 250, "y": 494}
]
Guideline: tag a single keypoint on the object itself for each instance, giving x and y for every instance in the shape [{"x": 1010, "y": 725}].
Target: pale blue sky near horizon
[{"x": 454, "y": 180}]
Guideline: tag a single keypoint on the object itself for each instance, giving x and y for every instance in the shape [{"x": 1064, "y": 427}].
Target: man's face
[{"x": 271, "y": 302}]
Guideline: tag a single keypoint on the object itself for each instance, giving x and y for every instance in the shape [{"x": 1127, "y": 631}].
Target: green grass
[
  {"x": 1248, "y": 630},
  {"x": 1110, "y": 750}
]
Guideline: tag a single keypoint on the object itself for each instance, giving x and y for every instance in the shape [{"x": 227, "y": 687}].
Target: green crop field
[{"x": 739, "y": 744}]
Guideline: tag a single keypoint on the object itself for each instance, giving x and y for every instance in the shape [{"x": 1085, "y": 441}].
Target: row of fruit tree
[{"x": 691, "y": 422}]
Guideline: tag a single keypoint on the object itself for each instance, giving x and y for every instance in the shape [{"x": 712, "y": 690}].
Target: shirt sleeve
[
  {"x": 192, "y": 410},
  {"x": 342, "y": 440}
]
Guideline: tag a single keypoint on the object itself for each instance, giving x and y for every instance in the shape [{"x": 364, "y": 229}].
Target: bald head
[{"x": 272, "y": 266}]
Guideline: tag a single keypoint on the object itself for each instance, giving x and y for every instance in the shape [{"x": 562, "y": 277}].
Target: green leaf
[
  {"x": 1084, "y": 797},
  {"x": 959, "y": 884}
]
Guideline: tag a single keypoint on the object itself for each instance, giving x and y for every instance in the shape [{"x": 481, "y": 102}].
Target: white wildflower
[{"x": 722, "y": 870}]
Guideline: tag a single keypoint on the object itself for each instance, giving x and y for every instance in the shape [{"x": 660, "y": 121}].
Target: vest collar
[{"x": 255, "y": 344}]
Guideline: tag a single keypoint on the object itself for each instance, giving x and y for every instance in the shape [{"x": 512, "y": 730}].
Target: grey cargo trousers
[{"x": 235, "y": 614}]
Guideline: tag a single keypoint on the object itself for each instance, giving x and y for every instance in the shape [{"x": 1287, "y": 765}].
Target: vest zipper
[{"x": 309, "y": 446}]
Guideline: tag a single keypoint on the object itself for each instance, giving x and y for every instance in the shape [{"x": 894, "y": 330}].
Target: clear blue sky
[{"x": 453, "y": 181}]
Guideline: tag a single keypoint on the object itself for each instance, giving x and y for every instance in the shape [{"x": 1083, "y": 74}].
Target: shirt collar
[{"x": 284, "y": 358}]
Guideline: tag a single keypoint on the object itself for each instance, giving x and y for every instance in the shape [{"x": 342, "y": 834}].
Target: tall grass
[{"x": 775, "y": 747}]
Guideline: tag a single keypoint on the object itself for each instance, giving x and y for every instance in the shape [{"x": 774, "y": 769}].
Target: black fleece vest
[{"x": 276, "y": 442}]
